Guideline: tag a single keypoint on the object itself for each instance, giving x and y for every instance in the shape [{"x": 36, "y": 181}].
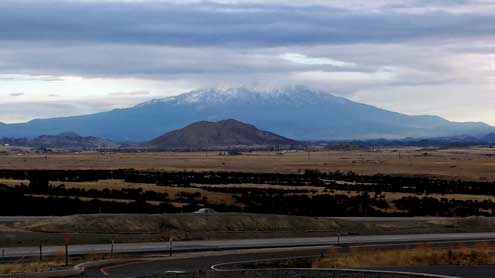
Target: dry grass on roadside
[
  {"x": 421, "y": 255},
  {"x": 22, "y": 267},
  {"x": 52, "y": 263},
  {"x": 56, "y": 262}
]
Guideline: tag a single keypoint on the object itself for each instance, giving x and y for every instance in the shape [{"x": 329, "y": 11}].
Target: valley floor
[{"x": 452, "y": 163}]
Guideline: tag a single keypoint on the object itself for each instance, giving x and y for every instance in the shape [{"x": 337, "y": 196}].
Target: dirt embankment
[
  {"x": 158, "y": 227},
  {"x": 191, "y": 225}
]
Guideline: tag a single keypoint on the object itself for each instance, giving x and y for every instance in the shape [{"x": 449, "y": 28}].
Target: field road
[{"x": 212, "y": 245}]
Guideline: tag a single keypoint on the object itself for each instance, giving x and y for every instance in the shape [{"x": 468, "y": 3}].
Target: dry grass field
[
  {"x": 467, "y": 164},
  {"x": 481, "y": 254},
  {"x": 462, "y": 163},
  {"x": 213, "y": 197},
  {"x": 228, "y": 198}
]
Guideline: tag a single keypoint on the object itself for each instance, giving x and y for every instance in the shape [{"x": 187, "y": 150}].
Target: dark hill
[
  {"x": 71, "y": 140},
  {"x": 68, "y": 140},
  {"x": 226, "y": 134}
]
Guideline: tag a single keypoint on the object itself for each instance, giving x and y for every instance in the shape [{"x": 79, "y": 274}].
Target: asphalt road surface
[
  {"x": 204, "y": 261},
  {"x": 212, "y": 245},
  {"x": 21, "y": 218},
  {"x": 253, "y": 249},
  {"x": 209, "y": 245}
]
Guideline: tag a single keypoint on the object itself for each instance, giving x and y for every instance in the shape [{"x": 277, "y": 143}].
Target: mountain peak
[
  {"x": 231, "y": 122},
  {"x": 294, "y": 93}
]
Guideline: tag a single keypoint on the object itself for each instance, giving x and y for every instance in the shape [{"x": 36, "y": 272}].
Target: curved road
[
  {"x": 205, "y": 261},
  {"x": 286, "y": 248}
]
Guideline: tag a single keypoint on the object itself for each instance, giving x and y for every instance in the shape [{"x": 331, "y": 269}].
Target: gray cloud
[
  {"x": 160, "y": 39},
  {"x": 134, "y": 93},
  {"x": 211, "y": 24},
  {"x": 16, "y": 94},
  {"x": 341, "y": 46}
]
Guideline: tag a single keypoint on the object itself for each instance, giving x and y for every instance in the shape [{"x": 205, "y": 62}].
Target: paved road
[
  {"x": 204, "y": 245},
  {"x": 21, "y": 218},
  {"x": 204, "y": 261},
  {"x": 155, "y": 267}
]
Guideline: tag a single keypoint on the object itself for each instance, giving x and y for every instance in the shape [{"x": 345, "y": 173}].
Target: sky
[{"x": 72, "y": 57}]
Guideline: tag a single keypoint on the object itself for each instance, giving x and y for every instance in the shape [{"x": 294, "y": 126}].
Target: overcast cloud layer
[{"x": 60, "y": 58}]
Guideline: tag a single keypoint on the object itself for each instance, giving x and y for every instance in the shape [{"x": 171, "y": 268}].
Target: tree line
[
  {"x": 61, "y": 201},
  {"x": 371, "y": 183},
  {"x": 39, "y": 198}
]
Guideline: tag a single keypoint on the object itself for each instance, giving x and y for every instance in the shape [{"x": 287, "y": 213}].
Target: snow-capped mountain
[
  {"x": 295, "y": 112},
  {"x": 295, "y": 94}
]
